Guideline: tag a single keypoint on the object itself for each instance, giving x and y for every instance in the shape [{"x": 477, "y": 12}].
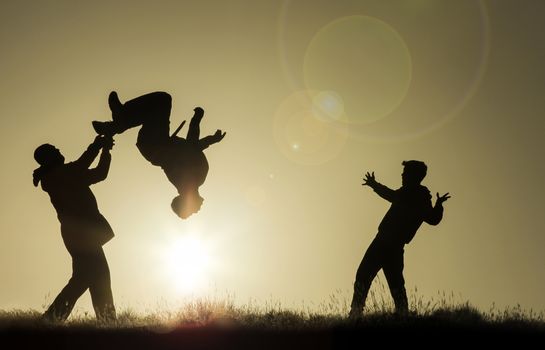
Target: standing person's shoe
[
  {"x": 354, "y": 314},
  {"x": 106, "y": 315}
]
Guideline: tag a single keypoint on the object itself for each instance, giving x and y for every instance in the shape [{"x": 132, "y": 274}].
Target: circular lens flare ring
[
  {"x": 306, "y": 132},
  {"x": 365, "y": 61},
  {"x": 291, "y": 15}
]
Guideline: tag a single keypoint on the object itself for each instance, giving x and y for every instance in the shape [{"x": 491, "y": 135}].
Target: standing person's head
[
  {"x": 47, "y": 156},
  {"x": 186, "y": 205},
  {"x": 414, "y": 171}
]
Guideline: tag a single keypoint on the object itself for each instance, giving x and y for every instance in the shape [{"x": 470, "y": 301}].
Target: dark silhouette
[
  {"x": 84, "y": 230},
  {"x": 411, "y": 205},
  {"x": 182, "y": 160}
]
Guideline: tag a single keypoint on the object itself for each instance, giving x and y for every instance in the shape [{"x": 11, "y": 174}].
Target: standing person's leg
[
  {"x": 100, "y": 286},
  {"x": 393, "y": 270},
  {"x": 367, "y": 271},
  {"x": 194, "y": 131},
  {"x": 63, "y": 304}
]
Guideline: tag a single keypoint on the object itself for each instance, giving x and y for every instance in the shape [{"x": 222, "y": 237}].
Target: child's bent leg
[
  {"x": 150, "y": 109},
  {"x": 153, "y": 108}
]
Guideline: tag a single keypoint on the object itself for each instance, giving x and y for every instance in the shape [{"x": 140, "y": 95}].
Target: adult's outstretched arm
[
  {"x": 100, "y": 172},
  {"x": 88, "y": 157}
]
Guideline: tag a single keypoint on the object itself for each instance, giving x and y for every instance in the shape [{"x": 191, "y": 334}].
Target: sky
[{"x": 312, "y": 94}]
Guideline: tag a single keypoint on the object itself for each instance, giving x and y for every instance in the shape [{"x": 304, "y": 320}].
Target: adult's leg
[
  {"x": 63, "y": 304},
  {"x": 393, "y": 270},
  {"x": 368, "y": 269},
  {"x": 100, "y": 286}
]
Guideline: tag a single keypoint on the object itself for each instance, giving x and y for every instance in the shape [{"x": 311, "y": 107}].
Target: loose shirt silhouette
[
  {"x": 84, "y": 229},
  {"x": 411, "y": 206}
]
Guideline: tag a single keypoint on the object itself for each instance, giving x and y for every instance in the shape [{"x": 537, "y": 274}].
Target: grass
[{"x": 221, "y": 323}]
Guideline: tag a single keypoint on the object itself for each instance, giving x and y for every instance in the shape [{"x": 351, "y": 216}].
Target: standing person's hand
[
  {"x": 98, "y": 143},
  {"x": 441, "y": 199},
  {"x": 369, "y": 179},
  {"x": 107, "y": 142}
]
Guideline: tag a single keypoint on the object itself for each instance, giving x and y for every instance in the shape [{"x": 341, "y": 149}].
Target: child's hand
[{"x": 219, "y": 135}]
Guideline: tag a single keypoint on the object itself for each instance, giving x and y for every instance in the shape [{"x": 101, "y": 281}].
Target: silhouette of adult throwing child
[
  {"x": 411, "y": 205},
  {"x": 182, "y": 160},
  {"x": 83, "y": 228}
]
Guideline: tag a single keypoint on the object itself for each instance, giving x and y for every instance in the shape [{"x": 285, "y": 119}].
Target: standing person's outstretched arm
[
  {"x": 211, "y": 139},
  {"x": 100, "y": 172},
  {"x": 88, "y": 157},
  {"x": 435, "y": 214},
  {"x": 382, "y": 190}
]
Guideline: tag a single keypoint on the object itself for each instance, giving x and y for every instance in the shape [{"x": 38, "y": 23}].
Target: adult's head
[
  {"x": 186, "y": 205},
  {"x": 47, "y": 155},
  {"x": 414, "y": 171}
]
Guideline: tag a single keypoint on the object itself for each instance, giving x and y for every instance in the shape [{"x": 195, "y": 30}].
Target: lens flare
[
  {"x": 333, "y": 50},
  {"x": 328, "y": 105},
  {"x": 365, "y": 61},
  {"x": 305, "y": 130}
]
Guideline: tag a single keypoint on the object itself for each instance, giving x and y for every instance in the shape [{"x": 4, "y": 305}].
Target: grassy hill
[{"x": 206, "y": 324}]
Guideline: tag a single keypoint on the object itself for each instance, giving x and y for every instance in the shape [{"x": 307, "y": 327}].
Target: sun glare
[{"x": 187, "y": 261}]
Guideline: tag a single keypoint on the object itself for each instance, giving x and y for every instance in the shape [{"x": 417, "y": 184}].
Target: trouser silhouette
[
  {"x": 89, "y": 271},
  {"x": 152, "y": 112},
  {"x": 389, "y": 258}
]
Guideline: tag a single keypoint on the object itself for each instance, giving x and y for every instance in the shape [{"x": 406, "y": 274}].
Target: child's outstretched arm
[{"x": 211, "y": 139}]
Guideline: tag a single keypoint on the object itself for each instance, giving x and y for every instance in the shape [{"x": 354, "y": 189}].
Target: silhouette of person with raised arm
[
  {"x": 411, "y": 205},
  {"x": 83, "y": 228},
  {"x": 182, "y": 160}
]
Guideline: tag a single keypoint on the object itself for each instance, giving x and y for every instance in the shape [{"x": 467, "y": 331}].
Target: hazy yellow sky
[{"x": 312, "y": 94}]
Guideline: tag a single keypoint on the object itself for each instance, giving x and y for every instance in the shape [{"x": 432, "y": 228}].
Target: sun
[{"x": 187, "y": 262}]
